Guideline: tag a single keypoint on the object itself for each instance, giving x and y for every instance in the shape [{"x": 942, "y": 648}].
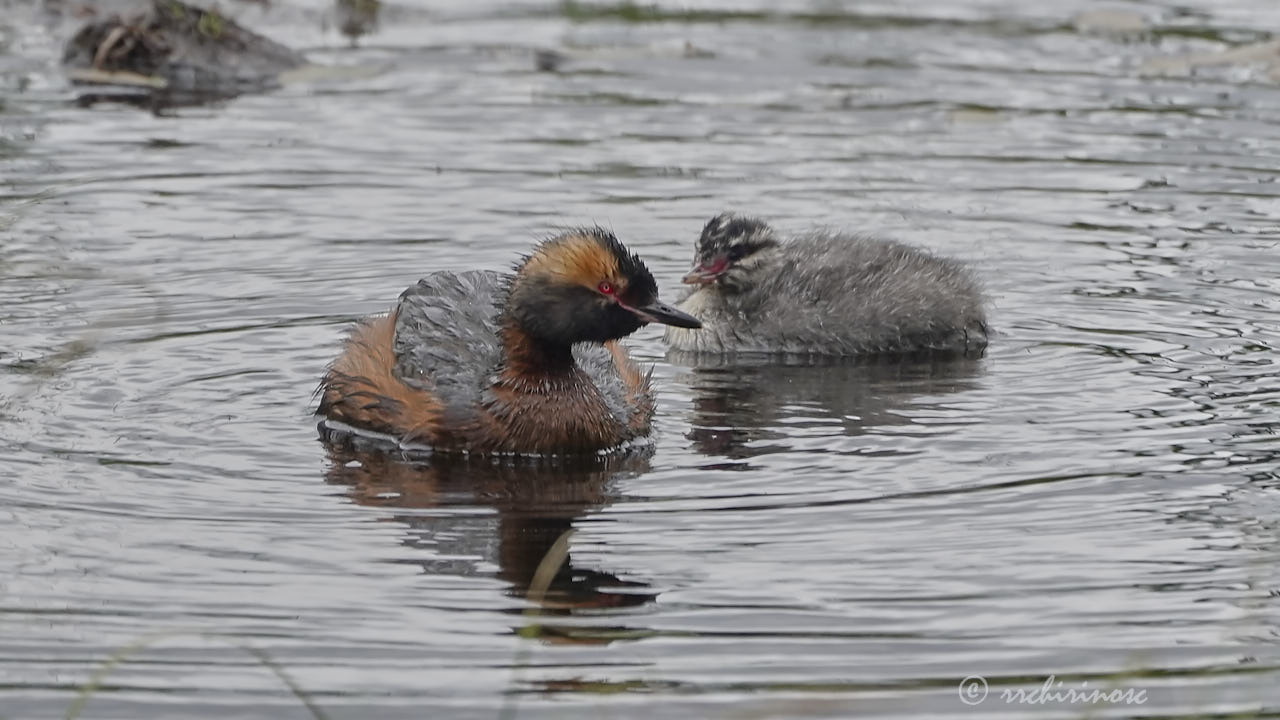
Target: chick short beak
[
  {"x": 706, "y": 273},
  {"x": 699, "y": 276}
]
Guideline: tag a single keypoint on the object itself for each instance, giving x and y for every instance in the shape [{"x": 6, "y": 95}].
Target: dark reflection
[
  {"x": 740, "y": 402},
  {"x": 535, "y": 504},
  {"x": 357, "y": 18}
]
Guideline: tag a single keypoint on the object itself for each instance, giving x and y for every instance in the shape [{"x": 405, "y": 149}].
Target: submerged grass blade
[
  {"x": 125, "y": 653},
  {"x": 287, "y": 679},
  {"x": 95, "y": 680},
  {"x": 542, "y": 577}
]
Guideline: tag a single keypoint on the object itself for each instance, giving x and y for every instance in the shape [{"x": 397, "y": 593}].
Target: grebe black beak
[{"x": 660, "y": 312}]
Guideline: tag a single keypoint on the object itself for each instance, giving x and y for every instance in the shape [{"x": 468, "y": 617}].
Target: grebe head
[
  {"x": 585, "y": 286},
  {"x": 730, "y": 252}
]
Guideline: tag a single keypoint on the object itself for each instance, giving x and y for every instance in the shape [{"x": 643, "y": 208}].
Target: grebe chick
[
  {"x": 487, "y": 362},
  {"x": 825, "y": 293}
]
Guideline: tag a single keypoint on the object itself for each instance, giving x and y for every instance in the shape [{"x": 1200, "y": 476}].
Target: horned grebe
[{"x": 488, "y": 362}]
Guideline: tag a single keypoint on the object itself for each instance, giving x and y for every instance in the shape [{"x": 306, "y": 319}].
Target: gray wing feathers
[{"x": 447, "y": 333}]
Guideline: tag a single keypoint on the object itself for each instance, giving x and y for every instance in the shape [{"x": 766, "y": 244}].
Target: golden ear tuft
[{"x": 575, "y": 257}]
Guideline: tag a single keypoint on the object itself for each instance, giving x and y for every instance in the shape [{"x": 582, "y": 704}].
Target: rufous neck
[{"x": 526, "y": 356}]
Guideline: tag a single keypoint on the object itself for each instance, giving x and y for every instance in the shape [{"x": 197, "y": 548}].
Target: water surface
[{"x": 1096, "y": 499}]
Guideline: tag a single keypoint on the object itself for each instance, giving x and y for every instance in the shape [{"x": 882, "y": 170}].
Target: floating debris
[
  {"x": 172, "y": 53},
  {"x": 357, "y": 17},
  {"x": 1262, "y": 55},
  {"x": 1110, "y": 22},
  {"x": 548, "y": 60}
]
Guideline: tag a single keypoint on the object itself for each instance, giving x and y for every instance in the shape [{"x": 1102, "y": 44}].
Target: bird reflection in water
[
  {"x": 741, "y": 404},
  {"x": 534, "y": 504}
]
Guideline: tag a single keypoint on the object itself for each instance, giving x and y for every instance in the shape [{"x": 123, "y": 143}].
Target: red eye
[{"x": 606, "y": 287}]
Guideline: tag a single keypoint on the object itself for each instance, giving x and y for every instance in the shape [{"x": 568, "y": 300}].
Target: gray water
[{"x": 1096, "y": 500}]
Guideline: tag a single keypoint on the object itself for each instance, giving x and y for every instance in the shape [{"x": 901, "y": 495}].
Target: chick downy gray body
[{"x": 825, "y": 293}]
